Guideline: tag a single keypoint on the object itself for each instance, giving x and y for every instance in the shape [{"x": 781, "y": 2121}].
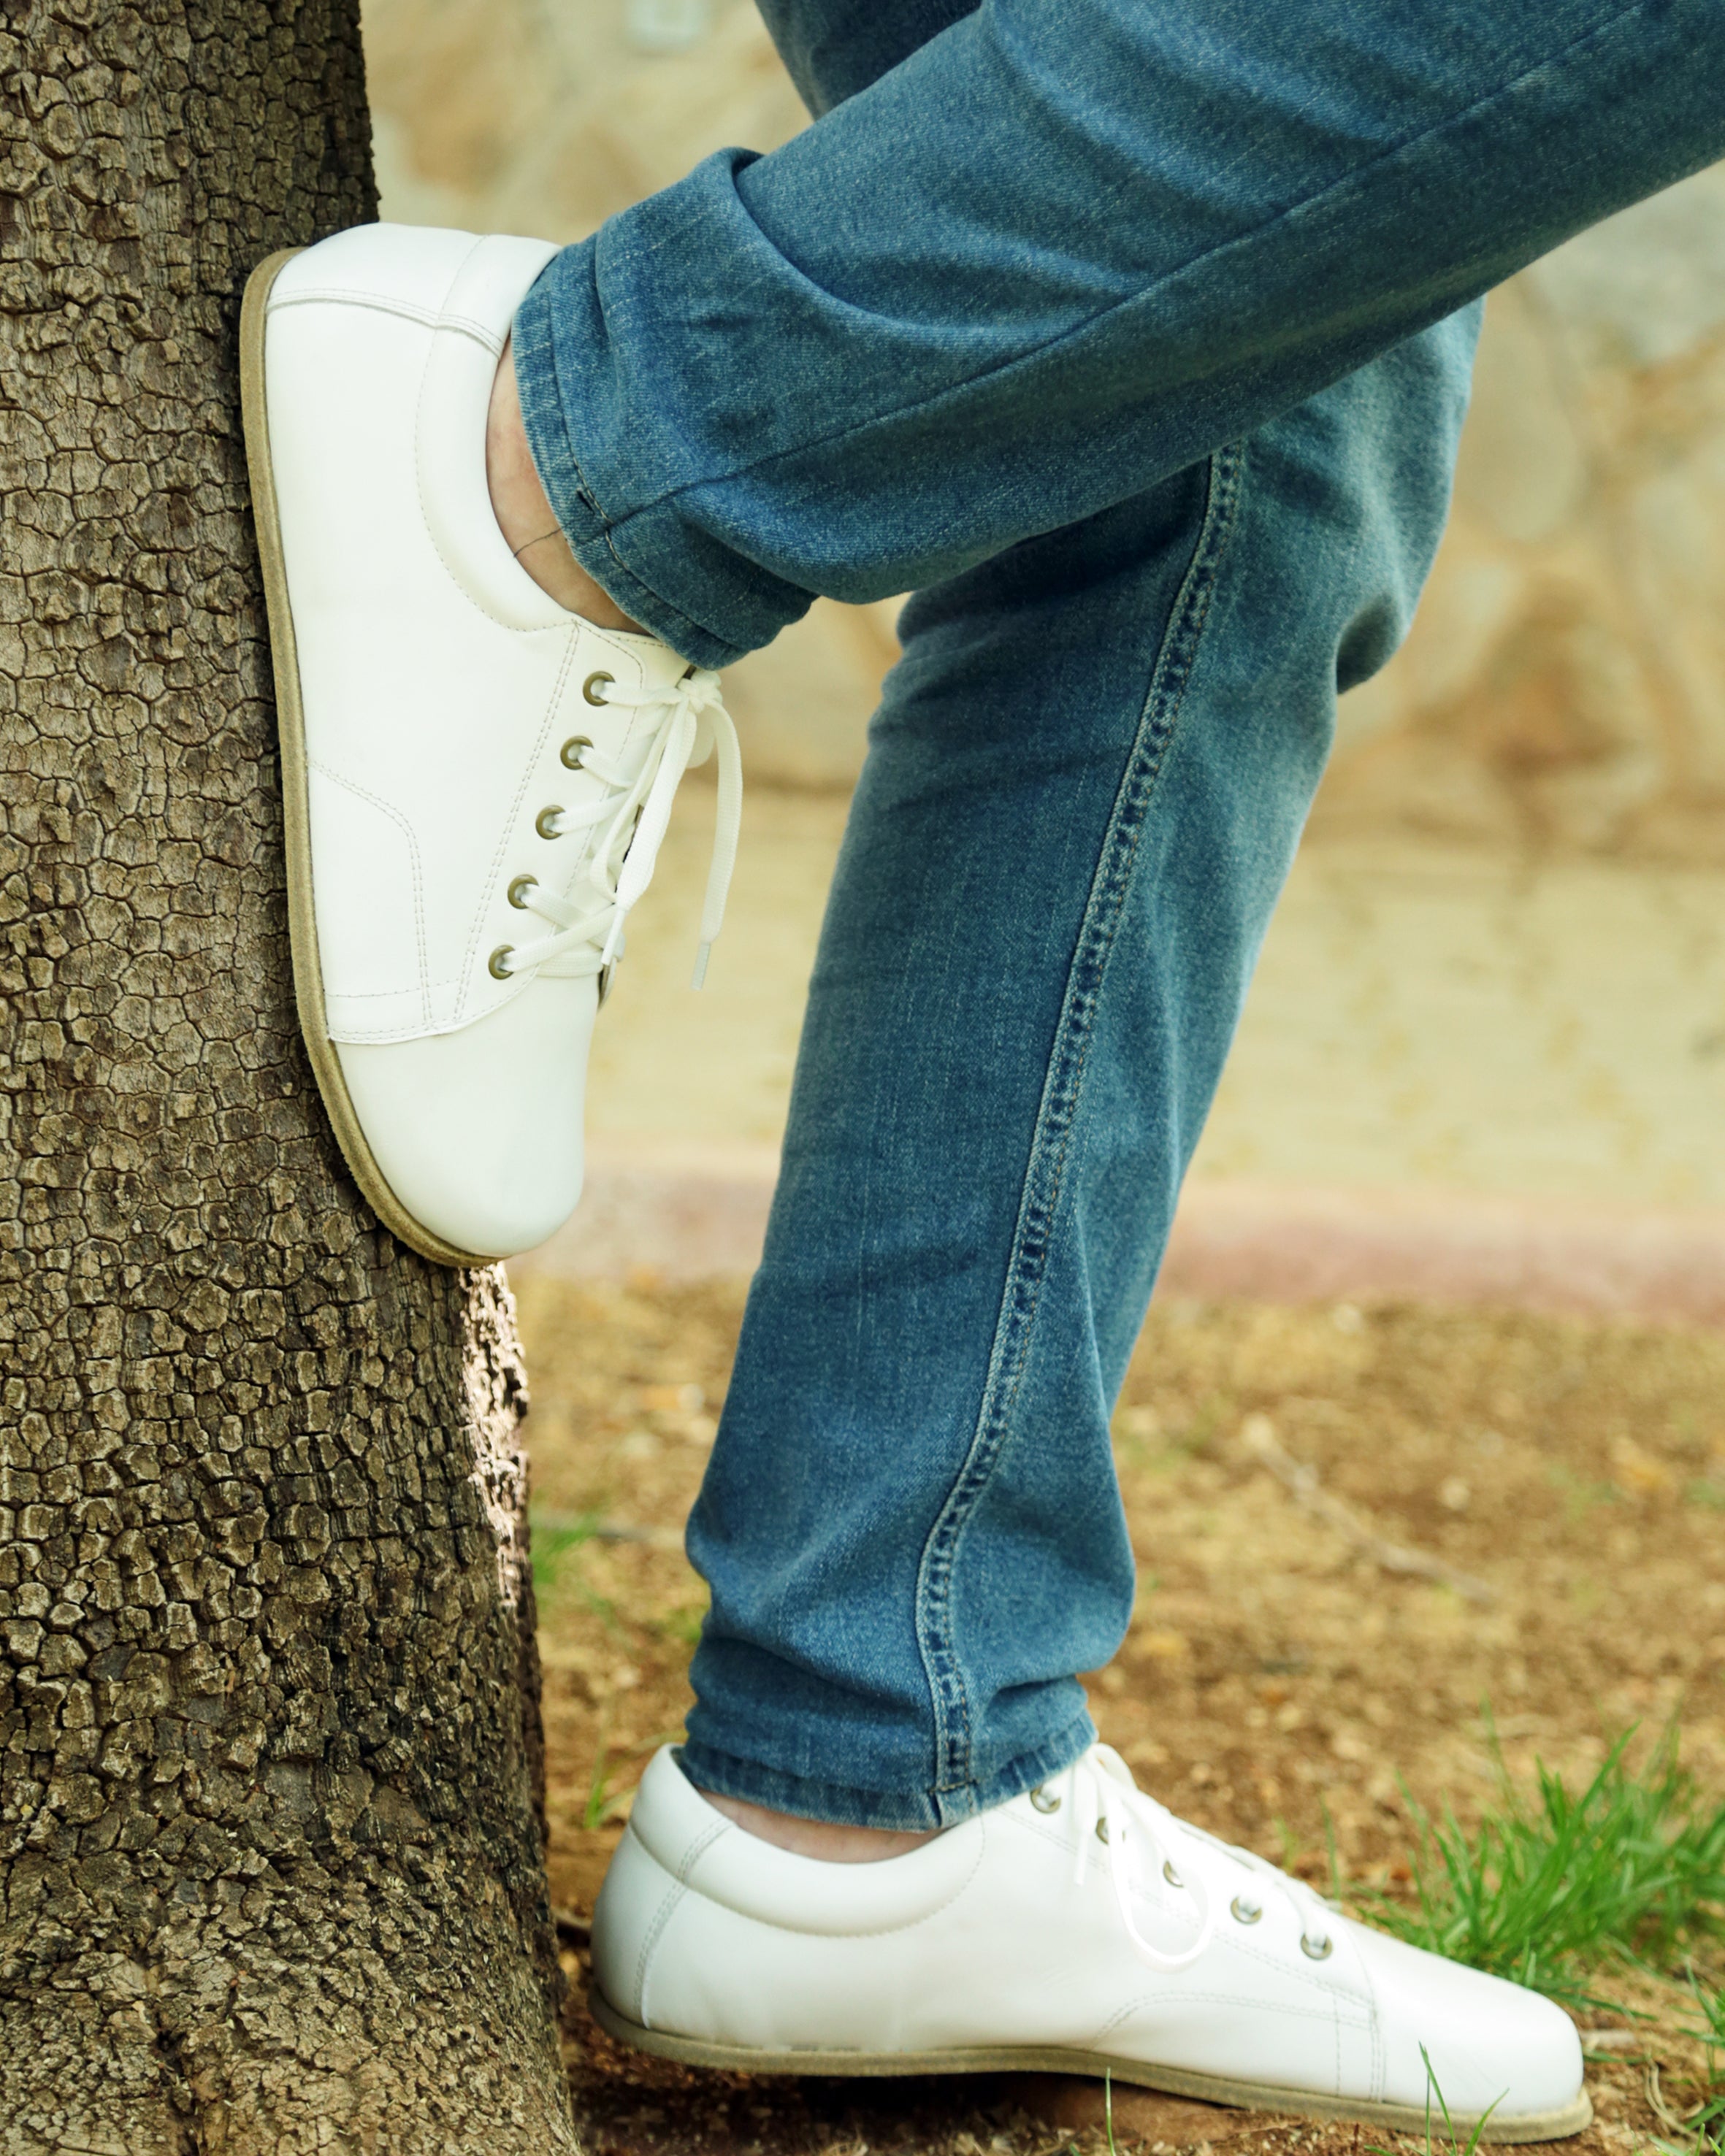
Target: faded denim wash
[
  {"x": 1052, "y": 319},
  {"x": 1059, "y": 253}
]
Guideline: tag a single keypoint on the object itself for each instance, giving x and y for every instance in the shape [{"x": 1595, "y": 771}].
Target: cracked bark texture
[{"x": 272, "y": 1872}]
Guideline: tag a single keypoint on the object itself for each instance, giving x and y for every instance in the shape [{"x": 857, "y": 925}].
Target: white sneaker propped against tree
[
  {"x": 1080, "y": 1928},
  {"x": 476, "y": 782}
]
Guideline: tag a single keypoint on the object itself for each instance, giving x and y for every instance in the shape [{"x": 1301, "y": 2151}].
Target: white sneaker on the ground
[
  {"x": 476, "y": 782},
  {"x": 1081, "y": 1929}
]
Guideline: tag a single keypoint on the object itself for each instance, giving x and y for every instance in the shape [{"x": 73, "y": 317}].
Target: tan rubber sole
[
  {"x": 1055, "y": 2059},
  {"x": 291, "y": 724}
]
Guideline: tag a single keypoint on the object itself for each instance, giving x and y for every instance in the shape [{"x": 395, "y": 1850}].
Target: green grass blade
[{"x": 1550, "y": 1882}]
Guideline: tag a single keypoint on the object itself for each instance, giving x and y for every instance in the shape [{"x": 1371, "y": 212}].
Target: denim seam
[
  {"x": 1208, "y": 259},
  {"x": 1056, "y": 1117},
  {"x": 607, "y": 526}
]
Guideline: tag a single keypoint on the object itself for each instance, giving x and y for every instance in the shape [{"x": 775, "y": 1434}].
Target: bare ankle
[
  {"x": 817, "y": 1838},
  {"x": 524, "y": 514}
]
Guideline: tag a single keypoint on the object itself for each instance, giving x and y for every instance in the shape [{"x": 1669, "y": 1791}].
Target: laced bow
[
  {"x": 588, "y": 926},
  {"x": 1110, "y": 1808},
  {"x": 1138, "y": 1834}
]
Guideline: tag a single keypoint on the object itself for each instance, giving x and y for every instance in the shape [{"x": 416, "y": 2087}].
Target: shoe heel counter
[
  {"x": 470, "y": 281},
  {"x": 408, "y": 266},
  {"x": 629, "y": 1919}
]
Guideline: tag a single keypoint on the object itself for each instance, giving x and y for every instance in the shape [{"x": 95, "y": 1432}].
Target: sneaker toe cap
[
  {"x": 1489, "y": 2043},
  {"x": 477, "y": 1133}
]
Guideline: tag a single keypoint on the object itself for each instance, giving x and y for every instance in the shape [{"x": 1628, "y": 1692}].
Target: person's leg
[
  {"x": 1054, "y": 256},
  {"x": 1084, "y": 786},
  {"x": 832, "y": 49},
  {"x": 1083, "y": 792}
]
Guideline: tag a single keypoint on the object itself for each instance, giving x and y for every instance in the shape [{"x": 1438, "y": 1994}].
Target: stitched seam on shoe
[
  {"x": 654, "y": 1931},
  {"x": 1277, "y": 1967},
  {"x": 699, "y": 1848},
  {"x": 898, "y": 1931},
  {"x": 1309, "y": 1973},
  {"x": 872, "y": 1931},
  {"x": 352, "y": 1036},
  {"x": 385, "y": 303},
  {"x": 384, "y": 1036},
  {"x": 1057, "y": 1118},
  {"x": 1193, "y": 1999},
  {"x": 395, "y": 816},
  {"x": 506, "y": 831}
]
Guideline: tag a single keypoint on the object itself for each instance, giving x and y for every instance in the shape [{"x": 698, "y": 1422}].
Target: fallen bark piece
[{"x": 1258, "y": 1436}]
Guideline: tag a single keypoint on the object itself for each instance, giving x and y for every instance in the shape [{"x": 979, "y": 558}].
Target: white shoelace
[
  {"x": 691, "y": 724},
  {"x": 1108, "y": 1808}
]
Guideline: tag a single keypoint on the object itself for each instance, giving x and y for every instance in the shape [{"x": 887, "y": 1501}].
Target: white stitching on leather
[
  {"x": 386, "y": 303},
  {"x": 654, "y": 1931},
  {"x": 395, "y": 816},
  {"x": 699, "y": 1847},
  {"x": 873, "y": 1931},
  {"x": 1186, "y": 1998}
]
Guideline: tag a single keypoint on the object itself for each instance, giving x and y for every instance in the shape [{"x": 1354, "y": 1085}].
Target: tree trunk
[{"x": 271, "y": 1874}]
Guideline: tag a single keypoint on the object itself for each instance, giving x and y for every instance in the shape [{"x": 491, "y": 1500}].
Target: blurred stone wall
[
  {"x": 1564, "y": 686},
  {"x": 1564, "y": 683}
]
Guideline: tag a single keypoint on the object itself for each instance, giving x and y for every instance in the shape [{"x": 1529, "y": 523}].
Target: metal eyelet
[
  {"x": 1102, "y": 1830},
  {"x": 497, "y": 965},
  {"x": 545, "y": 823},
  {"x": 592, "y": 685},
  {"x": 1244, "y": 1912},
  {"x": 570, "y": 752},
  {"x": 1041, "y": 1801},
  {"x": 1170, "y": 1874},
  {"x": 1316, "y": 1949},
  {"x": 521, "y": 889}
]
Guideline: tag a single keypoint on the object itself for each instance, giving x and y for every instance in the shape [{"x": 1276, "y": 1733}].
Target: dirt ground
[{"x": 1568, "y": 1478}]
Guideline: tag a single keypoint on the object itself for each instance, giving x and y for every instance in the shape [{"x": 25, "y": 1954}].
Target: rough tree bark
[{"x": 270, "y": 1865}]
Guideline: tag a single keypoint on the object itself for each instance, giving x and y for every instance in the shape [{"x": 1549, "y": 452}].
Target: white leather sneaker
[
  {"x": 476, "y": 782},
  {"x": 1079, "y": 1929}
]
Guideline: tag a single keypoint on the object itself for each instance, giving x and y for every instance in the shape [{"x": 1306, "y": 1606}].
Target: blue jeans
[{"x": 1127, "y": 335}]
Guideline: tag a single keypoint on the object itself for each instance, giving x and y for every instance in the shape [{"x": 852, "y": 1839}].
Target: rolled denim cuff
[
  {"x": 692, "y": 593},
  {"x": 907, "y": 1811}
]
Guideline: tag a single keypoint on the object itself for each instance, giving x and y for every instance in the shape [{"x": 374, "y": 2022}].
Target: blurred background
[{"x": 1501, "y": 965}]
